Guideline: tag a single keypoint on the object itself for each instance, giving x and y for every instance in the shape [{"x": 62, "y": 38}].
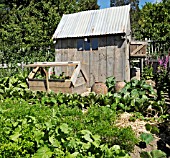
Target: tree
[
  {"x": 154, "y": 21},
  {"x": 26, "y": 26},
  {"x": 133, "y": 12},
  {"x": 87, "y": 4},
  {"x": 134, "y": 3}
]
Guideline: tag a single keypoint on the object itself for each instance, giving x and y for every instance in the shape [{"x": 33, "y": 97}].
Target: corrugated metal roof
[{"x": 112, "y": 20}]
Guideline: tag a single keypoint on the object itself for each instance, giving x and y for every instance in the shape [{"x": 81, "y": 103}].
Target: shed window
[
  {"x": 95, "y": 44},
  {"x": 80, "y": 44},
  {"x": 87, "y": 45}
]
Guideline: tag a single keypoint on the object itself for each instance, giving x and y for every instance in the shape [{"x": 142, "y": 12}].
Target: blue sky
[{"x": 106, "y": 3}]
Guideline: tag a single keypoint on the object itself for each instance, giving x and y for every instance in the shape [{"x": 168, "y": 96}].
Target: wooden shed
[{"x": 99, "y": 39}]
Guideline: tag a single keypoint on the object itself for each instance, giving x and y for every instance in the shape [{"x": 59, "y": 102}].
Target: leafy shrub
[
  {"x": 147, "y": 73},
  {"x": 14, "y": 86},
  {"x": 31, "y": 127},
  {"x": 137, "y": 96}
]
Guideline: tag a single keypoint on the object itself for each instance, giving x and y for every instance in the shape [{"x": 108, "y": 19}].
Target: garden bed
[{"x": 73, "y": 84}]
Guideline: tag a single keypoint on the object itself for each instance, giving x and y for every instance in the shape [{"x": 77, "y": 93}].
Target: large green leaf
[
  {"x": 146, "y": 137},
  {"x": 15, "y": 136},
  {"x": 54, "y": 142},
  {"x": 64, "y": 128},
  {"x": 87, "y": 137},
  {"x": 158, "y": 154},
  {"x": 43, "y": 152},
  {"x": 153, "y": 154}
]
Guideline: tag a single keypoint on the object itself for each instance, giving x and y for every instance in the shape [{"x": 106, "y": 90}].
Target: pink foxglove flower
[
  {"x": 166, "y": 60},
  {"x": 160, "y": 61}
]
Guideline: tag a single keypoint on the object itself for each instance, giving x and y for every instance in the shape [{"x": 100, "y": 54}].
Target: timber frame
[
  {"x": 75, "y": 84},
  {"x": 138, "y": 49}
]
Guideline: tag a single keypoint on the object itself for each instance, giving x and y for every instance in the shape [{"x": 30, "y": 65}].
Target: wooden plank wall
[
  {"x": 111, "y": 58},
  {"x": 58, "y": 55},
  {"x": 102, "y": 52},
  {"x": 119, "y": 59},
  {"x": 86, "y": 63},
  {"x": 127, "y": 61},
  {"x": 71, "y": 54},
  {"x": 64, "y": 55},
  {"x": 110, "y": 55}
]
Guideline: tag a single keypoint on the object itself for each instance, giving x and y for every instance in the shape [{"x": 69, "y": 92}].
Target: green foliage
[
  {"x": 26, "y": 27},
  {"x": 88, "y": 4},
  {"x": 153, "y": 154},
  {"x": 40, "y": 123},
  {"x": 153, "y": 22},
  {"x": 146, "y": 137},
  {"x": 162, "y": 78},
  {"x": 110, "y": 83},
  {"x": 148, "y": 73},
  {"x": 134, "y": 97},
  {"x": 41, "y": 131},
  {"x": 14, "y": 86},
  {"x": 152, "y": 128}
]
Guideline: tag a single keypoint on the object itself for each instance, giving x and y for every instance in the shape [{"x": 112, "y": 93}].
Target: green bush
[{"x": 27, "y": 128}]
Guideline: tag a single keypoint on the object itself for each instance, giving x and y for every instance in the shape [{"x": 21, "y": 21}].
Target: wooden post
[
  {"x": 46, "y": 78},
  {"x": 33, "y": 72},
  {"x": 75, "y": 74},
  {"x": 141, "y": 65}
]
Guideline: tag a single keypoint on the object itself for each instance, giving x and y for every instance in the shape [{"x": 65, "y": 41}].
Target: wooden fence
[{"x": 157, "y": 48}]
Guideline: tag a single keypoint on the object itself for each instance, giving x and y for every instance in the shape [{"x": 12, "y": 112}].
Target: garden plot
[{"x": 41, "y": 79}]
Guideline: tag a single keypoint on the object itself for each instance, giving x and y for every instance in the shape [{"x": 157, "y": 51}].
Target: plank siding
[
  {"x": 127, "y": 62},
  {"x": 85, "y": 63},
  {"x": 64, "y": 55},
  {"x": 71, "y": 53},
  {"x": 58, "y": 57},
  {"x": 102, "y": 51},
  {"x": 118, "y": 69},
  {"x": 110, "y": 56},
  {"x": 93, "y": 68}
]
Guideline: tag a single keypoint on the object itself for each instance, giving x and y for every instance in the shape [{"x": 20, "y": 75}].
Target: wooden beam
[
  {"x": 33, "y": 72},
  {"x": 53, "y": 64},
  {"x": 46, "y": 79},
  {"x": 84, "y": 74},
  {"x": 138, "y": 55},
  {"x": 138, "y": 42},
  {"x": 75, "y": 74},
  {"x": 136, "y": 50}
]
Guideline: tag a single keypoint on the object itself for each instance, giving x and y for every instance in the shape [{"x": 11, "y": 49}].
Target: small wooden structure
[
  {"x": 138, "y": 50},
  {"x": 100, "y": 39},
  {"x": 75, "y": 84}
]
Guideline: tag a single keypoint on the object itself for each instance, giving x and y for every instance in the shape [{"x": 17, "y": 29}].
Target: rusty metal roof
[{"x": 112, "y": 20}]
